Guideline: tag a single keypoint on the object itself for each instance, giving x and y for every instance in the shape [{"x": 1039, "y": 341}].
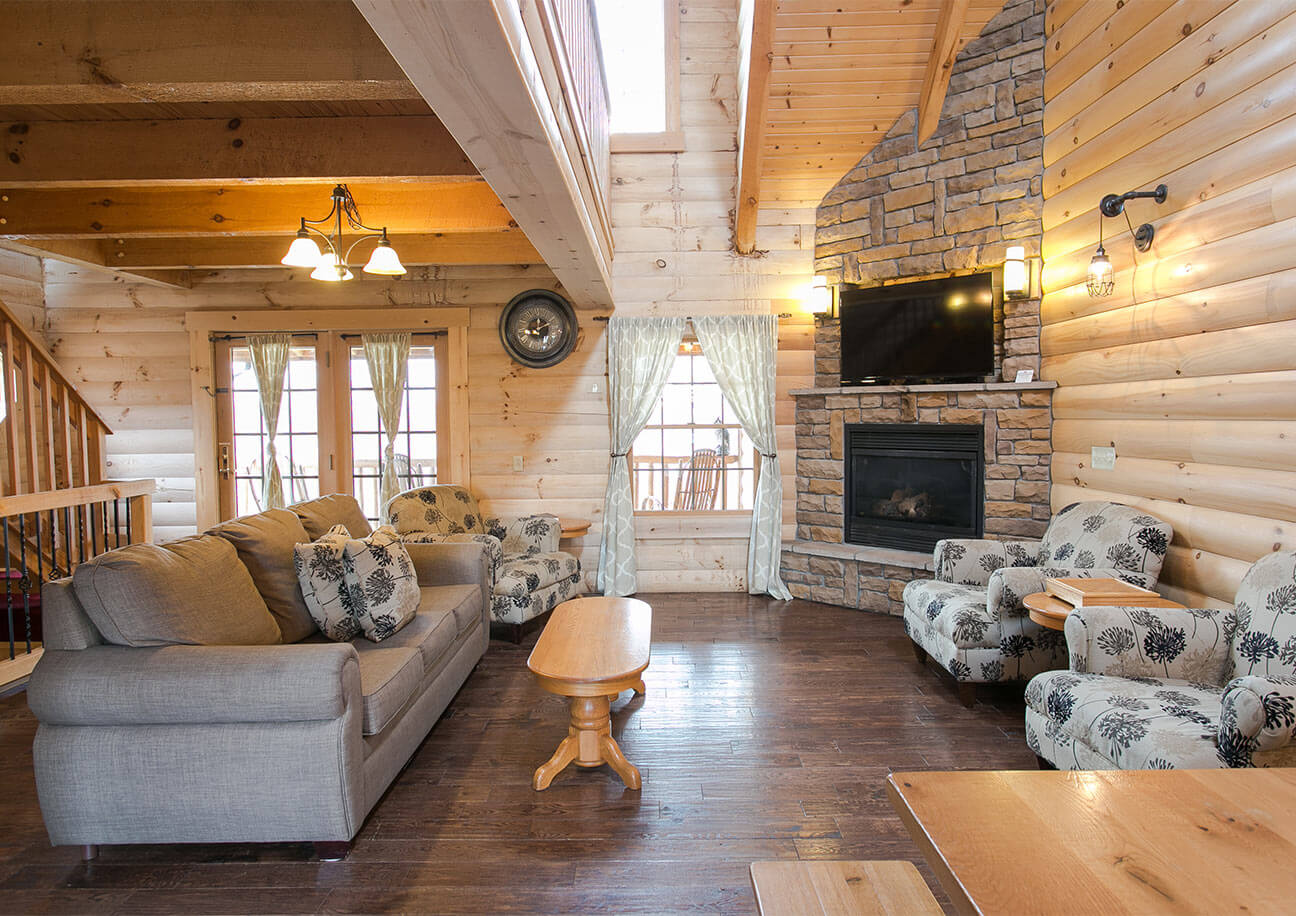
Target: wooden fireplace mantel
[{"x": 926, "y": 389}]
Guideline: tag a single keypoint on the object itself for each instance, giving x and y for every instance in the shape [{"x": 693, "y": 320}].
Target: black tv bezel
[{"x": 996, "y": 305}]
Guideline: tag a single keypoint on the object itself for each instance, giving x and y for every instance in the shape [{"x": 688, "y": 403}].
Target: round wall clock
[{"x": 538, "y": 328}]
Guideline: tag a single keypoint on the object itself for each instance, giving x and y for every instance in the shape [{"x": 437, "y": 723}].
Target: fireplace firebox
[{"x": 910, "y": 484}]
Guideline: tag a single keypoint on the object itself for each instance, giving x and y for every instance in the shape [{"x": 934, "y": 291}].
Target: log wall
[{"x": 1187, "y": 369}]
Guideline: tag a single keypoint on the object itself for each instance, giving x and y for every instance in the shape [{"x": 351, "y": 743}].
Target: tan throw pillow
[
  {"x": 319, "y": 515},
  {"x": 265, "y": 544},
  {"x": 326, "y": 589},
  {"x": 386, "y": 587},
  {"x": 193, "y": 591}
]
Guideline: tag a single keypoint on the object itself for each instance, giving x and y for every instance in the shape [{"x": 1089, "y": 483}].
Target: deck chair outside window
[{"x": 699, "y": 481}]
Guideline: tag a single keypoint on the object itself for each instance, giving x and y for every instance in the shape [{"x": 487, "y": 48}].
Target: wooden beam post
[
  {"x": 940, "y": 65},
  {"x": 753, "y": 91}
]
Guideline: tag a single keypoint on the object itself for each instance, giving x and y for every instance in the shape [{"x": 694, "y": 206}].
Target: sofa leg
[
  {"x": 967, "y": 694},
  {"x": 89, "y": 852},
  {"x": 1044, "y": 764},
  {"x": 919, "y": 653},
  {"x": 334, "y": 851}
]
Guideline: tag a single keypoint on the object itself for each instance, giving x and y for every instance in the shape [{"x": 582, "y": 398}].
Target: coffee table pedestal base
[{"x": 589, "y": 743}]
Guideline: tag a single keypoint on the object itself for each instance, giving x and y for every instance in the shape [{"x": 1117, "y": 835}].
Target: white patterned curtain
[
  {"x": 388, "y": 359},
  {"x": 742, "y": 351},
  {"x": 269, "y": 363},
  {"x": 641, "y": 354}
]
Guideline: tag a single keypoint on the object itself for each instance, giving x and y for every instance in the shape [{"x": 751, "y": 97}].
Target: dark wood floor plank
[{"x": 767, "y": 732}]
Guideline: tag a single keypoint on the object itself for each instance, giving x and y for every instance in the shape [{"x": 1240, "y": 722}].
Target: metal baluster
[
  {"x": 24, "y": 583},
  {"x": 53, "y": 530},
  {"x": 130, "y": 539},
  {"x": 8, "y": 587},
  {"x": 90, "y": 520},
  {"x": 67, "y": 538},
  {"x": 81, "y": 551},
  {"x": 117, "y": 521},
  {"x": 103, "y": 517},
  {"x": 40, "y": 571}
]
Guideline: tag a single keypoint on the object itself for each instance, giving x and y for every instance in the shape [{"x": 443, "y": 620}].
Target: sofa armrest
[
  {"x": 457, "y": 563},
  {"x": 1185, "y": 643},
  {"x": 181, "y": 685},
  {"x": 1008, "y": 586},
  {"x": 1257, "y": 713},
  {"x": 970, "y": 561},
  {"x": 529, "y": 534}
]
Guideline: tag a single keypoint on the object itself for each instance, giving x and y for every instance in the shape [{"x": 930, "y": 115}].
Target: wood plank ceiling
[
  {"x": 842, "y": 72},
  {"x": 155, "y": 137}
]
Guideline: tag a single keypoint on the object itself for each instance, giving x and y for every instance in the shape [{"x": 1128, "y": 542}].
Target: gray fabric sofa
[{"x": 294, "y": 740}]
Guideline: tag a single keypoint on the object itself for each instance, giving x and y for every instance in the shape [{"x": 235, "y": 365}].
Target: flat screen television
[{"x": 933, "y": 329}]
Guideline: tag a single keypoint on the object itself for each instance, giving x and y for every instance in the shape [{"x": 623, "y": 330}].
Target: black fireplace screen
[{"x": 910, "y": 484}]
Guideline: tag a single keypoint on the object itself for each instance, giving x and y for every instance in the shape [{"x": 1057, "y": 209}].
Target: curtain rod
[
  {"x": 246, "y": 336},
  {"x": 686, "y": 317}
]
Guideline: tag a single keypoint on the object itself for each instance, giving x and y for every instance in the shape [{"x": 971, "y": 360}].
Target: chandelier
[{"x": 331, "y": 265}]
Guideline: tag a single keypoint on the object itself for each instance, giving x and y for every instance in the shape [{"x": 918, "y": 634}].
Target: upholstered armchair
[
  {"x": 1158, "y": 688},
  {"x": 529, "y": 574},
  {"x": 971, "y": 619}
]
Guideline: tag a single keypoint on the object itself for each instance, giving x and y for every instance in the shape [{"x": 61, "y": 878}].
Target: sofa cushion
[
  {"x": 265, "y": 544},
  {"x": 381, "y": 576},
  {"x": 389, "y": 677},
  {"x": 462, "y": 601},
  {"x": 1137, "y": 724},
  {"x": 193, "y": 591},
  {"x": 319, "y": 515},
  {"x": 431, "y": 632},
  {"x": 321, "y": 569},
  {"x": 522, "y": 575}
]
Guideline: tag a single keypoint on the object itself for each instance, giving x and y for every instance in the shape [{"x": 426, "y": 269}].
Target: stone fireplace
[{"x": 910, "y": 484}]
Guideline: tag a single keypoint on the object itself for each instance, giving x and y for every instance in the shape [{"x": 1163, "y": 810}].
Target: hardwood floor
[{"x": 766, "y": 733}]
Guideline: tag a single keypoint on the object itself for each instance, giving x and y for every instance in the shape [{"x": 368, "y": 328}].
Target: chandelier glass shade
[{"x": 328, "y": 263}]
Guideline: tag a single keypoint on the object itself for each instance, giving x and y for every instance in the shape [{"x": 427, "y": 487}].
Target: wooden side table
[
  {"x": 573, "y": 528},
  {"x": 1052, "y": 612}
]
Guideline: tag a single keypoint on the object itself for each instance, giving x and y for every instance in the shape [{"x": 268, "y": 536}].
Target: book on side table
[{"x": 1099, "y": 592}]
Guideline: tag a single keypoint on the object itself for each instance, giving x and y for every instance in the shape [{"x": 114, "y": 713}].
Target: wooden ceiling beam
[
  {"x": 940, "y": 65},
  {"x": 53, "y": 154},
  {"x": 76, "y": 52},
  {"x": 226, "y": 253},
  {"x": 85, "y": 253},
  {"x": 753, "y": 92},
  {"x": 464, "y": 205}
]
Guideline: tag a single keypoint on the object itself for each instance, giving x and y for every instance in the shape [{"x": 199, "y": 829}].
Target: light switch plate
[
  {"x": 517, "y": 462},
  {"x": 1102, "y": 459}
]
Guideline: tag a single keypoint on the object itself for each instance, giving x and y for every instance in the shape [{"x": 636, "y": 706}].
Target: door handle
[{"x": 223, "y": 464}]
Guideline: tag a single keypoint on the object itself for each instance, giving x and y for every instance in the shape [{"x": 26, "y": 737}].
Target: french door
[{"x": 329, "y": 437}]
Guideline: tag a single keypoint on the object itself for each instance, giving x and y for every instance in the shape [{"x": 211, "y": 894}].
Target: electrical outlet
[
  {"x": 594, "y": 388},
  {"x": 517, "y": 462},
  {"x": 1102, "y": 459}
]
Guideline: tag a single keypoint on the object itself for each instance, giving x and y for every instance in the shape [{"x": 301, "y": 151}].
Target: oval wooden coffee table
[{"x": 592, "y": 649}]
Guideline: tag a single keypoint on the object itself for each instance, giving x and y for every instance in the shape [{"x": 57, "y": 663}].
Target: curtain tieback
[
  {"x": 619, "y": 454},
  {"x": 770, "y": 455}
]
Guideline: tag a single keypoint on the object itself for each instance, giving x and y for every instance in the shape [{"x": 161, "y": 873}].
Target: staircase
[{"x": 56, "y": 509}]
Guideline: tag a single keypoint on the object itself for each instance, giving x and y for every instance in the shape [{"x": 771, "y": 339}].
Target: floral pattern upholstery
[
  {"x": 529, "y": 574},
  {"x": 971, "y": 618},
  {"x": 1171, "y": 688},
  {"x": 386, "y": 587}
]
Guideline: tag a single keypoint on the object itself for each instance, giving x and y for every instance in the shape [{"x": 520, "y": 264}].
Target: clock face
[{"x": 538, "y": 328}]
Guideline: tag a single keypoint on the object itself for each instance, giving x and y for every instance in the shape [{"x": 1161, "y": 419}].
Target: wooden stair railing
[
  {"x": 45, "y": 536},
  {"x": 50, "y": 437}
]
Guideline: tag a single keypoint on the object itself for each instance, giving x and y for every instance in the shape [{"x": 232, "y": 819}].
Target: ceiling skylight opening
[{"x": 632, "y": 34}]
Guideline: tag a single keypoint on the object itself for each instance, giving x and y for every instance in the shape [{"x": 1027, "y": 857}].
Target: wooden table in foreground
[
  {"x": 592, "y": 649},
  {"x": 1052, "y": 612},
  {"x": 1139, "y": 841},
  {"x": 821, "y": 887}
]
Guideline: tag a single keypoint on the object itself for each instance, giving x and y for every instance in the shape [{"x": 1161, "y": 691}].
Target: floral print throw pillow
[
  {"x": 321, "y": 572},
  {"x": 383, "y": 581}
]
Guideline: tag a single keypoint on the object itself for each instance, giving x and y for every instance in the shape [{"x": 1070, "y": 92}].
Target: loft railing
[
  {"x": 50, "y": 437},
  {"x": 45, "y": 536},
  {"x": 571, "y": 37}
]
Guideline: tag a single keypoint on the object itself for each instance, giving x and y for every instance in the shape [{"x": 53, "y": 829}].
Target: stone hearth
[{"x": 1017, "y": 420}]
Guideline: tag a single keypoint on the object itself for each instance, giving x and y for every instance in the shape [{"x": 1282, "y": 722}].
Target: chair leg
[
  {"x": 516, "y": 634},
  {"x": 967, "y": 694},
  {"x": 1044, "y": 764},
  {"x": 334, "y": 851},
  {"x": 919, "y": 653},
  {"x": 89, "y": 852}
]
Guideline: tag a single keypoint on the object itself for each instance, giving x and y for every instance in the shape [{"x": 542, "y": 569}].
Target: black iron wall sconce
[{"x": 1102, "y": 280}]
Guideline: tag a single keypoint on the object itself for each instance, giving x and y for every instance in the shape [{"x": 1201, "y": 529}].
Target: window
[
  {"x": 640, "y": 45},
  {"x": 329, "y": 437},
  {"x": 693, "y": 455}
]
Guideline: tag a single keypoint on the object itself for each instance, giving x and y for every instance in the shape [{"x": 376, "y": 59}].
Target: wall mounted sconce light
[
  {"x": 1102, "y": 280},
  {"x": 821, "y": 298},
  {"x": 1016, "y": 273}
]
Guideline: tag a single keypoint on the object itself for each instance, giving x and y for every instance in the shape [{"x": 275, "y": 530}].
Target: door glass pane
[
  {"x": 297, "y": 439},
  {"x": 416, "y": 458}
]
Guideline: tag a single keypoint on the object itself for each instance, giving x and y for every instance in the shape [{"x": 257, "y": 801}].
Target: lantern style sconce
[
  {"x": 1016, "y": 273},
  {"x": 820, "y": 298},
  {"x": 1102, "y": 279}
]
